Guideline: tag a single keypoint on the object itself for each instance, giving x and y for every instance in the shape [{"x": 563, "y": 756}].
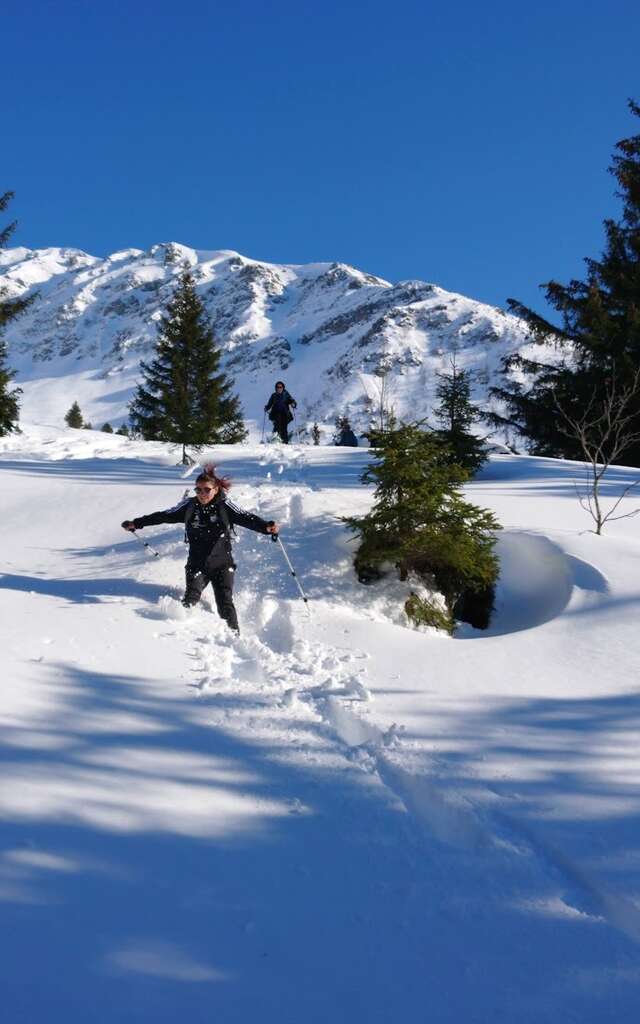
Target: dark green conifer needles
[
  {"x": 421, "y": 525},
  {"x": 183, "y": 396},
  {"x": 9, "y": 308}
]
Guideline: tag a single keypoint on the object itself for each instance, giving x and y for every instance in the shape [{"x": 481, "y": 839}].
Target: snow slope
[
  {"x": 333, "y": 817},
  {"x": 328, "y": 329}
]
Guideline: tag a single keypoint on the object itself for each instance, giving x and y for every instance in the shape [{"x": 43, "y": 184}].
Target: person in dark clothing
[
  {"x": 208, "y": 519},
  {"x": 279, "y": 408},
  {"x": 346, "y": 437}
]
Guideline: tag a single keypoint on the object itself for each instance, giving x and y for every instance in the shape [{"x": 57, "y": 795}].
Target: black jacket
[
  {"x": 207, "y": 528},
  {"x": 279, "y": 406}
]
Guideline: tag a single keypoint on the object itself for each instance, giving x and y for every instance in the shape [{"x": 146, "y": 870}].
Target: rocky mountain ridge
[{"x": 336, "y": 332}]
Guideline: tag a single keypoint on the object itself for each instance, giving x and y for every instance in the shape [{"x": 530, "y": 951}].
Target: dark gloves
[{"x": 129, "y": 525}]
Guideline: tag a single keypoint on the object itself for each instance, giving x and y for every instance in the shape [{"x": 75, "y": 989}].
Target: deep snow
[{"x": 333, "y": 817}]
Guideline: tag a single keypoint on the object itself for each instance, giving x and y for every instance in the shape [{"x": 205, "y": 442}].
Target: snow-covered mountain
[{"x": 326, "y": 328}]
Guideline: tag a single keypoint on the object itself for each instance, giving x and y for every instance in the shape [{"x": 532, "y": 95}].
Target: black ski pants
[
  {"x": 222, "y": 582},
  {"x": 281, "y": 426}
]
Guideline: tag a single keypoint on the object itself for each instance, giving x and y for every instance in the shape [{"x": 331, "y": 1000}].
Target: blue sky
[{"x": 462, "y": 143}]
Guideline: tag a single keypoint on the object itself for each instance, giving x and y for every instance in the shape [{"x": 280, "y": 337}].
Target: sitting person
[{"x": 346, "y": 436}]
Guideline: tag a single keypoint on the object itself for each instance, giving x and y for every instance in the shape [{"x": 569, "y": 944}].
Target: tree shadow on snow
[
  {"x": 530, "y": 476},
  {"x": 567, "y": 788},
  {"x": 82, "y": 591},
  {"x": 154, "y": 865}
]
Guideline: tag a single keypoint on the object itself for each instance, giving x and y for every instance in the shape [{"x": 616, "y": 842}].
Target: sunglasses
[{"x": 203, "y": 490}]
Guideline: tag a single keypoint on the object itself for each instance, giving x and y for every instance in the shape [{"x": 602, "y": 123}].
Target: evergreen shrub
[{"x": 421, "y": 524}]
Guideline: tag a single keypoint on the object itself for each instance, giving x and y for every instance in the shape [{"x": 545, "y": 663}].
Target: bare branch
[
  {"x": 625, "y": 515},
  {"x": 610, "y": 516},
  {"x": 606, "y": 429}
]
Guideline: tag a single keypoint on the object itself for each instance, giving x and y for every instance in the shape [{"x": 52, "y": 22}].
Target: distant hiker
[
  {"x": 346, "y": 436},
  {"x": 279, "y": 408},
  {"x": 208, "y": 519}
]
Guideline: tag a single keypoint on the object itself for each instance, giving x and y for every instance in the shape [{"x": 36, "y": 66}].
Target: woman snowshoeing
[
  {"x": 208, "y": 519},
  {"x": 279, "y": 408}
]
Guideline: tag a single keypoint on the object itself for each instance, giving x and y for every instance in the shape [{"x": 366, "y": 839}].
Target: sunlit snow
[{"x": 335, "y": 817}]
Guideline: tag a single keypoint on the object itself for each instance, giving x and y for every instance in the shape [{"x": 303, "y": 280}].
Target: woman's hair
[
  {"x": 278, "y": 382},
  {"x": 208, "y": 475}
]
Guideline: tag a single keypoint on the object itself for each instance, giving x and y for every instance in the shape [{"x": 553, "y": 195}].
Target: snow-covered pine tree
[
  {"x": 183, "y": 396},
  {"x": 598, "y": 335},
  {"x": 420, "y": 523},
  {"x": 456, "y": 413},
  {"x": 9, "y": 308},
  {"x": 73, "y": 418}
]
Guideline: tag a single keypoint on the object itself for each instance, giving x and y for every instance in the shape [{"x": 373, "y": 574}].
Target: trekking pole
[
  {"x": 264, "y": 420},
  {"x": 153, "y": 551},
  {"x": 275, "y": 537}
]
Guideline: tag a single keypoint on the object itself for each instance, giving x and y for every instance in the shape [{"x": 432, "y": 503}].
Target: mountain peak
[{"x": 330, "y": 326}]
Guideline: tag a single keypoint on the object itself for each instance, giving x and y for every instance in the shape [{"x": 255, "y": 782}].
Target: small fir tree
[
  {"x": 315, "y": 433},
  {"x": 597, "y": 338},
  {"x": 9, "y": 309},
  {"x": 183, "y": 397},
  {"x": 421, "y": 525},
  {"x": 106, "y": 428},
  {"x": 456, "y": 413},
  {"x": 123, "y": 430},
  {"x": 342, "y": 423},
  {"x": 74, "y": 417}
]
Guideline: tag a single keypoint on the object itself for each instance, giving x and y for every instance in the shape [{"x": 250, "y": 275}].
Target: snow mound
[{"x": 536, "y": 583}]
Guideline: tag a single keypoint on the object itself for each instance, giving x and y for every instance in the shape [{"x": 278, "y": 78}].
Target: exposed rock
[{"x": 330, "y": 326}]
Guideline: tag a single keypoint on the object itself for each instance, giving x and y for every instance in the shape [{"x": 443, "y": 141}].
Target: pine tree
[
  {"x": 9, "y": 406},
  {"x": 74, "y": 418},
  {"x": 342, "y": 423},
  {"x": 421, "y": 524},
  {"x": 184, "y": 398},
  {"x": 598, "y": 337},
  {"x": 315, "y": 433},
  {"x": 106, "y": 428},
  {"x": 123, "y": 430},
  {"x": 456, "y": 413},
  {"x": 9, "y": 309}
]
